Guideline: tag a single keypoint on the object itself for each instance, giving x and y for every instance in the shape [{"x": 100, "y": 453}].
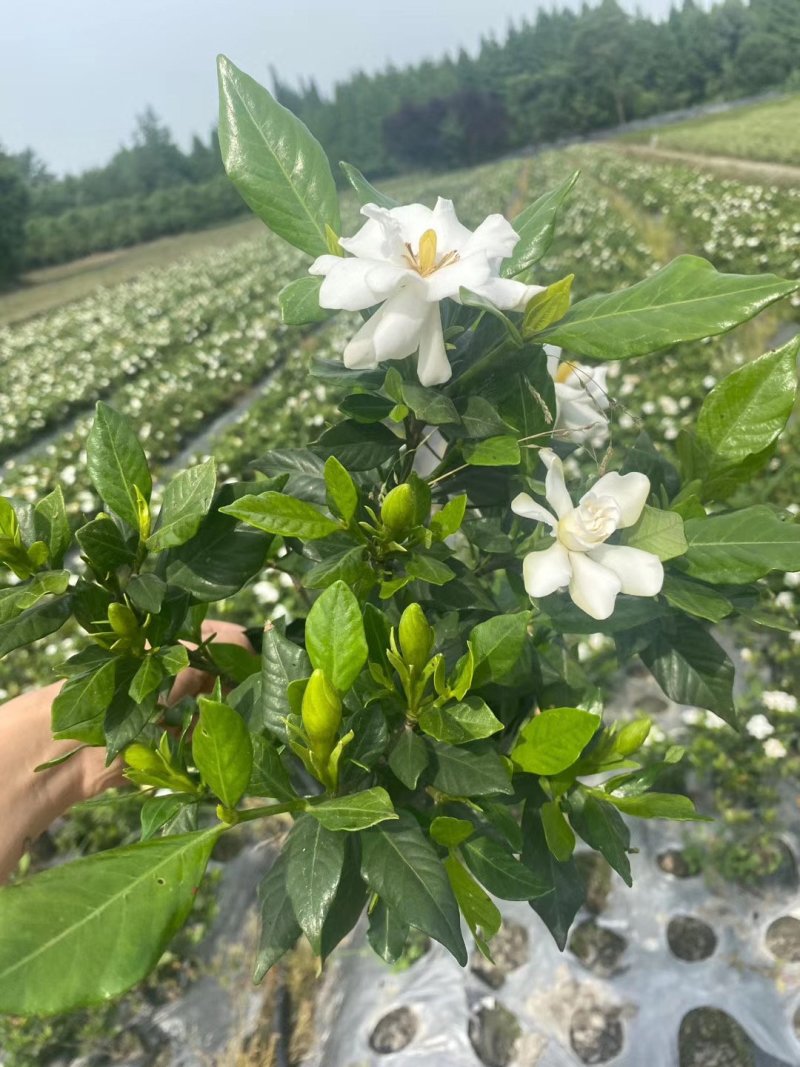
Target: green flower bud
[
  {"x": 416, "y": 637},
  {"x": 398, "y": 511},
  {"x": 122, "y": 621},
  {"x": 632, "y": 736},
  {"x": 321, "y": 711}
]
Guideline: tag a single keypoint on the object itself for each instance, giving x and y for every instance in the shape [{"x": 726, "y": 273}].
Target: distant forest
[{"x": 566, "y": 73}]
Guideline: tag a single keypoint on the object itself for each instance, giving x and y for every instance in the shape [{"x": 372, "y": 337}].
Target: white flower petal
[
  {"x": 433, "y": 366},
  {"x": 397, "y": 335},
  {"x": 593, "y": 588},
  {"x": 359, "y": 352},
  {"x": 507, "y": 294},
  {"x": 526, "y": 506},
  {"x": 451, "y": 234},
  {"x": 472, "y": 273},
  {"x": 413, "y": 220},
  {"x": 495, "y": 236},
  {"x": 547, "y": 570},
  {"x": 379, "y": 238},
  {"x": 641, "y": 573},
  {"x": 346, "y": 285},
  {"x": 630, "y": 491},
  {"x": 576, "y": 414},
  {"x": 322, "y": 264},
  {"x": 555, "y": 486}
]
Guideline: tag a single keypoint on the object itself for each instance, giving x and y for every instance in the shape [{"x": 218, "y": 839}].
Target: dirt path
[{"x": 731, "y": 167}]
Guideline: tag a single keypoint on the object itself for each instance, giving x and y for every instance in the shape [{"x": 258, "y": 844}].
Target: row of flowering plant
[{"x": 427, "y": 725}]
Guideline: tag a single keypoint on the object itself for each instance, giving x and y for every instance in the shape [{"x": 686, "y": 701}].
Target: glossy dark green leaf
[
  {"x": 481, "y": 419},
  {"x": 366, "y": 407},
  {"x": 536, "y": 226},
  {"x": 408, "y": 758},
  {"x": 80, "y": 707},
  {"x": 117, "y": 464},
  {"x": 686, "y": 300},
  {"x": 358, "y": 447},
  {"x": 462, "y": 772},
  {"x": 282, "y": 662},
  {"x": 497, "y": 645},
  {"x": 118, "y": 908},
  {"x": 741, "y": 546},
  {"x": 51, "y": 525},
  {"x": 496, "y": 867},
  {"x": 103, "y": 545},
  {"x": 402, "y": 867},
  {"x": 349, "y": 902},
  {"x": 603, "y": 828},
  {"x": 187, "y": 499},
  {"x": 429, "y": 405},
  {"x": 564, "y": 893},
  {"x": 356, "y": 811},
  {"x": 147, "y": 592},
  {"x": 299, "y": 302},
  {"x": 691, "y": 668},
  {"x": 158, "y": 812},
  {"x": 147, "y": 679},
  {"x": 387, "y": 933},
  {"x": 279, "y": 927},
  {"x": 470, "y": 719},
  {"x": 695, "y": 598},
  {"x": 315, "y": 862},
  {"x": 429, "y": 569},
  {"x": 44, "y": 618},
  {"x": 278, "y": 167}
]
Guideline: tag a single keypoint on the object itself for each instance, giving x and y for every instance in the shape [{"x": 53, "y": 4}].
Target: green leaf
[
  {"x": 18, "y": 598},
  {"x": 448, "y": 520},
  {"x": 335, "y": 636},
  {"x": 44, "y": 618},
  {"x": 450, "y": 832},
  {"x": 387, "y": 933},
  {"x": 187, "y": 499},
  {"x": 52, "y": 525},
  {"x": 553, "y": 740},
  {"x": 429, "y": 405},
  {"x": 233, "y": 661},
  {"x": 279, "y": 514},
  {"x": 658, "y": 532},
  {"x": 78, "y": 710},
  {"x": 299, "y": 302},
  {"x": 429, "y": 569},
  {"x": 279, "y": 927},
  {"x": 557, "y": 831},
  {"x": 117, "y": 464},
  {"x": 358, "y": 447},
  {"x": 278, "y": 167},
  {"x": 175, "y": 658},
  {"x": 402, "y": 867},
  {"x": 104, "y": 546},
  {"x": 366, "y": 407},
  {"x": 462, "y": 772},
  {"x": 746, "y": 411},
  {"x": 602, "y": 827},
  {"x": 315, "y": 862},
  {"x": 222, "y": 556},
  {"x": 691, "y": 668},
  {"x": 547, "y": 307},
  {"x": 658, "y": 806},
  {"x": 408, "y": 758},
  {"x": 563, "y": 893},
  {"x": 496, "y": 867},
  {"x": 492, "y": 452},
  {"x": 536, "y": 226},
  {"x": 222, "y": 751},
  {"x": 480, "y": 911},
  {"x": 282, "y": 662},
  {"x": 357, "y": 811},
  {"x": 157, "y": 812},
  {"x": 469, "y": 720},
  {"x": 497, "y": 645},
  {"x": 306, "y": 478},
  {"x": 481, "y": 419},
  {"x": 269, "y": 777},
  {"x": 348, "y": 904},
  {"x": 147, "y": 591},
  {"x": 366, "y": 193},
  {"x": 684, "y": 301},
  {"x": 119, "y": 909},
  {"x": 349, "y": 566},
  {"x": 696, "y": 599},
  {"x": 741, "y": 546},
  {"x": 147, "y": 679},
  {"x": 471, "y": 299},
  {"x": 341, "y": 489}
]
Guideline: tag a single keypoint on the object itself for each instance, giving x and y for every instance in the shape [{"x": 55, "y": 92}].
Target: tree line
[{"x": 565, "y": 73}]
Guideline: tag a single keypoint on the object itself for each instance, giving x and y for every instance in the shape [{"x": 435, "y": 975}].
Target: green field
[{"x": 769, "y": 132}]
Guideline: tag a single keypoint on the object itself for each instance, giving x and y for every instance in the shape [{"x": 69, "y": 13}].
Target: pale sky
[{"x": 75, "y": 73}]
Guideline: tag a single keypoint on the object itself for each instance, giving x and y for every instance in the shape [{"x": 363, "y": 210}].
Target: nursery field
[
  {"x": 769, "y": 132},
  {"x": 188, "y": 342}
]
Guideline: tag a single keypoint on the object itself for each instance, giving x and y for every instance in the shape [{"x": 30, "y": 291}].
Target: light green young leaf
[
  {"x": 741, "y": 546},
  {"x": 357, "y": 811},
  {"x": 497, "y": 644},
  {"x": 299, "y": 302},
  {"x": 450, "y": 832},
  {"x": 553, "y": 740},
  {"x": 536, "y": 226},
  {"x": 469, "y": 720},
  {"x": 366, "y": 193},
  {"x": 658, "y": 532},
  {"x": 222, "y": 751},
  {"x": 341, "y": 488},
  {"x": 492, "y": 452},
  {"x": 279, "y": 514},
  {"x": 477, "y": 907},
  {"x": 52, "y": 525},
  {"x": 683, "y": 301},
  {"x": 276, "y": 164},
  {"x": 335, "y": 636},
  {"x": 117, "y": 464},
  {"x": 118, "y": 909}
]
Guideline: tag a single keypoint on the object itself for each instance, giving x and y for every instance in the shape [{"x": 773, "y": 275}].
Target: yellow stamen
[
  {"x": 426, "y": 257},
  {"x": 564, "y": 372}
]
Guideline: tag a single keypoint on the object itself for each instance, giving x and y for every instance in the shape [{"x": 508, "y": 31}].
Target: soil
[
  {"x": 596, "y": 875},
  {"x": 510, "y": 950},
  {"x": 596, "y": 1034},
  {"x": 494, "y": 1032},
  {"x": 711, "y": 1038},
  {"x": 394, "y": 1031},
  {"x": 691, "y": 939},
  {"x": 675, "y": 863},
  {"x": 598, "y": 948},
  {"x": 783, "y": 939}
]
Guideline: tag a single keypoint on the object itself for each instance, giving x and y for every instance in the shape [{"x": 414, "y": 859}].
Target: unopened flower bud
[
  {"x": 416, "y": 637},
  {"x": 397, "y": 510},
  {"x": 632, "y": 736},
  {"x": 321, "y": 710},
  {"x": 122, "y": 621}
]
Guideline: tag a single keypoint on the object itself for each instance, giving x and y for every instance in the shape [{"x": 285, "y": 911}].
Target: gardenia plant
[{"x": 424, "y": 722}]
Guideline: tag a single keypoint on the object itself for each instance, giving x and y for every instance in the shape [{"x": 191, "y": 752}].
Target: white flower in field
[
  {"x": 580, "y": 558},
  {"x": 760, "y": 727},
  {"x": 774, "y": 749},
  {"x": 777, "y": 700},
  {"x": 581, "y": 398},
  {"x": 408, "y": 259}
]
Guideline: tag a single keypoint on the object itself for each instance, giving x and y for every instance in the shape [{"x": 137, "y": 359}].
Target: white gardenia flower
[
  {"x": 581, "y": 398},
  {"x": 774, "y": 749},
  {"x": 408, "y": 259},
  {"x": 580, "y": 558},
  {"x": 777, "y": 700},
  {"x": 759, "y": 726}
]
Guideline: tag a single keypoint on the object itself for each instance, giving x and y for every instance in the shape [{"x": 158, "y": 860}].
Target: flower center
[
  {"x": 564, "y": 372},
  {"x": 424, "y": 262},
  {"x": 589, "y": 524}
]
